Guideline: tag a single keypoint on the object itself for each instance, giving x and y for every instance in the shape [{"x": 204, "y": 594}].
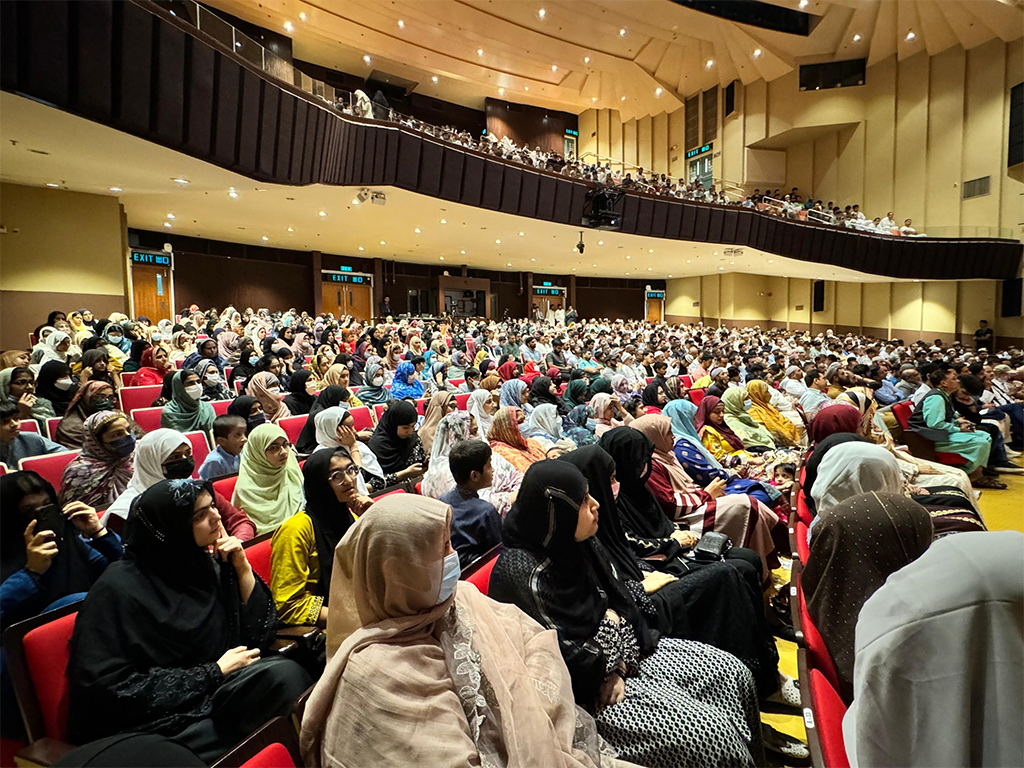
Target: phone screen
[{"x": 50, "y": 518}]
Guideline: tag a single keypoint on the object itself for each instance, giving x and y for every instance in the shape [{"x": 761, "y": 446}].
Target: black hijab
[
  {"x": 632, "y": 451},
  {"x": 598, "y": 467},
  {"x": 299, "y": 401},
  {"x": 69, "y": 571},
  {"x": 48, "y": 375},
  {"x": 650, "y": 395},
  {"x": 540, "y": 394},
  {"x": 392, "y": 451},
  {"x": 328, "y": 398},
  {"x": 331, "y": 518},
  {"x": 167, "y": 390}
]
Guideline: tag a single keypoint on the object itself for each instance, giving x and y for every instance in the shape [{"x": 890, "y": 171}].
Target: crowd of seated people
[{"x": 599, "y": 455}]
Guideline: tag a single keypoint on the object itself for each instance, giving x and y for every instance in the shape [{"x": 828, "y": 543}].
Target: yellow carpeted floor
[{"x": 1001, "y": 510}]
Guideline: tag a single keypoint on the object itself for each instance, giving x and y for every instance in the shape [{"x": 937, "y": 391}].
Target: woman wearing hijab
[
  {"x": 187, "y": 412},
  {"x": 858, "y": 543},
  {"x": 92, "y": 397},
  {"x": 481, "y": 406},
  {"x": 405, "y": 635},
  {"x": 118, "y": 345},
  {"x": 647, "y": 707},
  {"x": 170, "y": 639},
  {"x": 575, "y": 426},
  {"x": 269, "y": 487},
  {"x": 437, "y": 381},
  {"x": 302, "y": 549},
  {"x": 134, "y": 361},
  {"x": 101, "y": 472},
  {"x": 228, "y": 347},
  {"x": 508, "y": 370},
  {"x": 911, "y": 706},
  {"x": 544, "y": 425},
  {"x": 654, "y": 397},
  {"x": 744, "y": 519},
  {"x": 56, "y": 384},
  {"x": 621, "y": 388},
  {"x": 302, "y": 395},
  {"x": 394, "y": 441},
  {"x": 406, "y": 384},
  {"x": 543, "y": 391},
  {"x": 245, "y": 368},
  {"x": 440, "y": 405},
  {"x": 212, "y": 381},
  {"x": 329, "y": 397},
  {"x": 608, "y": 413},
  {"x": 508, "y": 442},
  {"x": 783, "y": 432},
  {"x": 514, "y": 394},
  {"x": 576, "y": 393},
  {"x": 266, "y": 387},
  {"x": 54, "y": 347},
  {"x": 95, "y": 365},
  {"x": 739, "y": 421},
  {"x": 373, "y": 392},
  {"x": 717, "y": 435},
  {"x": 335, "y": 428},
  {"x": 850, "y": 468},
  {"x": 153, "y": 366},
  {"x": 18, "y": 387}
]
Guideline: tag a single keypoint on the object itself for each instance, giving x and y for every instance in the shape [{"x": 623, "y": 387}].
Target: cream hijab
[
  {"x": 485, "y": 681},
  {"x": 849, "y": 469}
]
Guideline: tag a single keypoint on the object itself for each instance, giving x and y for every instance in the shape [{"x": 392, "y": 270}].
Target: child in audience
[
  {"x": 476, "y": 524},
  {"x": 783, "y": 477},
  {"x": 16, "y": 445},
  {"x": 229, "y": 435}
]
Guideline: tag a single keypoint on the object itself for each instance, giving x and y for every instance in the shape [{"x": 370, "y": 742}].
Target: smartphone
[{"x": 50, "y": 518}]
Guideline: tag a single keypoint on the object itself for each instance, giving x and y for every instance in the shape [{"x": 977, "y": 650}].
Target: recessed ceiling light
[
  {"x": 116, "y": 189},
  {"x": 497, "y": 242},
  {"x": 687, "y": 261},
  {"x": 732, "y": 262},
  {"x": 771, "y": 261},
  {"x": 804, "y": 3},
  {"x": 462, "y": 252},
  {"x": 51, "y": 184},
  {"x": 586, "y": 59},
  {"x": 554, "y": 67},
  {"x": 627, "y": 273},
  {"x": 433, "y": 79},
  {"x": 629, "y": 257},
  {"x": 170, "y": 216},
  {"x": 574, "y": 269},
  {"x": 721, "y": 269},
  {"x": 593, "y": 265},
  {"x": 232, "y": 193},
  {"x": 657, "y": 91},
  {"x": 441, "y": 258},
  {"x": 622, "y": 32},
  {"x": 623, "y": 98},
  {"x": 265, "y": 238},
  {"x": 288, "y": 26},
  {"x": 757, "y": 53},
  {"x": 600, "y": 242},
  {"x": 856, "y": 38},
  {"x": 167, "y": 224},
  {"x": 479, "y": 51},
  {"x": 527, "y": 88},
  {"x": 522, "y": 234},
  {"x": 501, "y": 91},
  {"x": 322, "y": 213},
  {"x": 443, "y": 221},
  {"x": 366, "y": 58},
  {"x": 542, "y": 13},
  {"x": 382, "y": 242},
  {"x": 709, "y": 64},
  {"x": 290, "y": 229},
  {"x": 650, "y": 269},
  {"x": 180, "y": 180},
  {"x": 509, "y": 264},
  {"x": 238, "y": 44},
  {"x": 302, "y": 16},
  {"x": 361, "y": 248},
  {"x": 670, "y": 275},
  {"x": 651, "y": 251},
  {"x": 401, "y": 24},
  {"x": 911, "y": 36},
  {"x": 593, "y": 98}
]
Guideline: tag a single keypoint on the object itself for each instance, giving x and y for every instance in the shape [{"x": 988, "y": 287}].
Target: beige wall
[
  {"x": 905, "y": 141},
  {"x": 907, "y": 310},
  {"x": 62, "y": 250}
]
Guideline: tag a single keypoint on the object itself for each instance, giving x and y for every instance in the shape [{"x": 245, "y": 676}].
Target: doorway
[
  {"x": 341, "y": 299},
  {"x": 702, "y": 169},
  {"x": 570, "y": 148},
  {"x": 151, "y": 292},
  {"x": 655, "y": 310}
]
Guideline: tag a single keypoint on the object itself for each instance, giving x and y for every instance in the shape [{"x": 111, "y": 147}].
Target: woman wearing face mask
[
  {"x": 118, "y": 345},
  {"x": 250, "y": 409},
  {"x": 394, "y": 441},
  {"x": 302, "y": 395},
  {"x": 18, "y": 387},
  {"x": 405, "y": 383},
  {"x": 92, "y": 397},
  {"x": 482, "y": 406},
  {"x": 212, "y": 380},
  {"x": 154, "y": 364},
  {"x": 101, "y": 472},
  {"x": 269, "y": 487},
  {"x": 302, "y": 550},
  {"x": 170, "y": 640},
  {"x": 266, "y": 387},
  {"x": 246, "y": 365},
  {"x": 187, "y": 412},
  {"x": 56, "y": 385},
  {"x": 660, "y": 703},
  {"x": 399, "y": 617},
  {"x": 166, "y": 454}
]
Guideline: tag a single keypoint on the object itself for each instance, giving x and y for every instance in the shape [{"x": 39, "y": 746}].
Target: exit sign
[
  {"x": 152, "y": 258},
  {"x": 700, "y": 151}
]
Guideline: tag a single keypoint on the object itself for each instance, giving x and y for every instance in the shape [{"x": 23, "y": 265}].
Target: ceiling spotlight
[
  {"x": 116, "y": 189},
  {"x": 771, "y": 261},
  {"x": 361, "y": 248},
  {"x": 757, "y": 53},
  {"x": 586, "y": 59},
  {"x": 658, "y": 91},
  {"x": 180, "y": 180},
  {"x": 441, "y": 257},
  {"x": 479, "y": 51},
  {"x": 623, "y": 98},
  {"x": 522, "y": 234},
  {"x": 433, "y": 79},
  {"x": 856, "y": 38},
  {"x": 542, "y": 13},
  {"x": 382, "y": 242},
  {"x": 911, "y": 36},
  {"x": 366, "y": 58},
  {"x": 501, "y": 91},
  {"x": 527, "y": 88},
  {"x": 687, "y": 261},
  {"x": 600, "y": 242},
  {"x": 302, "y": 16},
  {"x": 444, "y": 221},
  {"x": 670, "y": 275},
  {"x": 361, "y": 196},
  {"x": 532, "y": 259},
  {"x": 288, "y": 26},
  {"x": 709, "y": 64},
  {"x": 593, "y": 98},
  {"x": 170, "y": 216},
  {"x": 290, "y": 229},
  {"x": 622, "y": 32},
  {"x": 167, "y": 224},
  {"x": 497, "y": 242},
  {"x": 721, "y": 269},
  {"x": 554, "y": 67},
  {"x": 401, "y": 24},
  {"x": 322, "y": 213},
  {"x": 629, "y": 257},
  {"x": 265, "y": 238},
  {"x": 462, "y": 252},
  {"x": 574, "y": 269},
  {"x": 804, "y": 3},
  {"x": 54, "y": 186},
  {"x": 417, "y": 230},
  {"x": 232, "y": 193},
  {"x": 509, "y": 264}
]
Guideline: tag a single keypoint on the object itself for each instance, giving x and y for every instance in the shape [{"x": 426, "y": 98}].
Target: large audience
[{"x": 637, "y": 479}]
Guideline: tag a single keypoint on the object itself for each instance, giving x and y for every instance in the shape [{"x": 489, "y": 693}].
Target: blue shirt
[
  {"x": 25, "y": 446},
  {"x": 476, "y": 525},
  {"x": 219, "y": 463}
]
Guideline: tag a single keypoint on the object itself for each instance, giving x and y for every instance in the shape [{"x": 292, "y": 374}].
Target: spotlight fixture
[
  {"x": 52, "y": 185},
  {"x": 856, "y": 38},
  {"x": 167, "y": 224},
  {"x": 804, "y": 4},
  {"x": 501, "y": 91},
  {"x": 232, "y": 193},
  {"x": 658, "y": 91},
  {"x": 580, "y": 246},
  {"x": 116, "y": 189},
  {"x": 171, "y": 216},
  {"x": 586, "y": 59},
  {"x": 417, "y": 230},
  {"x": 911, "y": 37},
  {"x": 322, "y": 213},
  {"x": 622, "y": 32},
  {"x": 479, "y": 51},
  {"x": 288, "y": 26},
  {"x": 542, "y": 13},
  {"x": 265, "y": 238},
  {"x": 180, "y": 180},
  {"x": 554, "y": 67},
  {"x": 290, "y": 229},
  {"x": 361, "y": 196},
  {"x": 709, "y": 64},
  {"x": 366, "y": 58},
  {"x": 757, "y": 53},
  {"x": 401, "y": 24},
  {"x": 383, "y": 242},
  {"x": 302, "y": 16},
  {"x": 433, "y": 79}
]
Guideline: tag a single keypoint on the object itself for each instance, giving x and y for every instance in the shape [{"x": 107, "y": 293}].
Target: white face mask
[
  {"x": 378, "y": 381},
  {"x": 63, "y": 384},
  {"x": 156, "y": 337},
  {"x": 213, "y": 376},
  {"x": 450, "y": 577},
  {"x": 275, "y": 391},
  {"x": 195, "y": 391}
]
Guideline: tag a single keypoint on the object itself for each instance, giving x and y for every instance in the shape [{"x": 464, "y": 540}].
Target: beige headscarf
[
  {"x": 259, "y": 387},
  {"x": 437, "y": 409},
  {"x": 410, "y": 681}
]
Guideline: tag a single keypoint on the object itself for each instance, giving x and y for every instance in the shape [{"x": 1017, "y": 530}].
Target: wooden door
[
  {"x": 655, "y": 310},
  {"x": 360, "y": 302},
  {"x": 151, "y": 292},
  {"x": 333, "y": 299}
]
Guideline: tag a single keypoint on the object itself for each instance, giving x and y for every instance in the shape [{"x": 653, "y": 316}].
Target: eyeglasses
[{"x": 338, "y": 476}]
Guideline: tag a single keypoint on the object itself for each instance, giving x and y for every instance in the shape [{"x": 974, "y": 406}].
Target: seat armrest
[
  {"x": 300, "y": 632},
  {"x": 42, "y": 752},
  {"x": 283, "y": 647}
]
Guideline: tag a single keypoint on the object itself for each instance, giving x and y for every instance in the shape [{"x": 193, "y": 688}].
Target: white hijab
[
  {"x": 152, "y": 451},
  {"x": 326, "y": 422},
  {"x": 853, "y": 468},
  {"x": 939, "y": 670},
  {"x": 544, "y": 423},
  {"x": 475, "y": 406}
]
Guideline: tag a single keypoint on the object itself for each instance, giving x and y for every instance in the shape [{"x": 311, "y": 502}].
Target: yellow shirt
[
  {"x": 717, "y": 445},
  {"x": 295, "y": 571}
]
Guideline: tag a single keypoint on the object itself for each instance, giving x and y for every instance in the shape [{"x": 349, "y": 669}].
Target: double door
[{"x": 343, "y": 299}]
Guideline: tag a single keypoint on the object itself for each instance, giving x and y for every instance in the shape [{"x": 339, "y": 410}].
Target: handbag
[{"x": 712, "y": 546}]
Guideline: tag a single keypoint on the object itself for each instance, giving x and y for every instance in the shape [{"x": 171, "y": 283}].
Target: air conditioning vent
[{"x": 977, "y": 187}]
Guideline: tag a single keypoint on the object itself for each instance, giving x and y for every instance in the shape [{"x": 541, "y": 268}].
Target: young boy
[
  {"x": 476, "y": 525},
  {"x": 229, "y": 434}
]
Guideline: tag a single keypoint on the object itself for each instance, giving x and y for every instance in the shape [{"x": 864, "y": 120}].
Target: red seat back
[
  {"x": 147, "y": 418},
  {"x": 3, "y": 469},
  {"x": 179, "y": 364},
  {"x": 696, "y": 395},
  {"x": 220, "y": 407},
  {"x": 30, "y": 425},
  {"x": 818, "y": 656},
  {"x": 828, "y": 714},
  {"x": 51, "y": 427},
  {"x": 46, "y": 658},
  {"x": 226, "y": 486},
  {"x": 481, "y": 577},
  {"x": 802, "y": 547},
  {"x": 272, "y": 756},
  {"x": 257, "y": 552},
  {"x": 462, "y": 400},
  {"x": 379, "y": 410},
  {"x": 456, "y": 382},
  {"x": 200, "y": 449},
  {"x": 127, "y": 377},
  {"x": 361, "y": 418},
  {"x": 902, "y": 411},
  {"x": 292, "y": 426},
  {"x": 421, "y": 406},
  {"x": 687, "y": 380},
  {"x": 138, "y": 397},
  {"x": 50, "y": 466}
]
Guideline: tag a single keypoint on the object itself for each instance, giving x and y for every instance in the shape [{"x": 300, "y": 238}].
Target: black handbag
[{"x": 712, "y": 546}]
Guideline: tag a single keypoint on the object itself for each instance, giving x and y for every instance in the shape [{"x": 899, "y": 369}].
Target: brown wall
[
  {"x": 529, "y": 126},
  {"x": 217, "y": 281},
  {"x": 24, "y": 311}
]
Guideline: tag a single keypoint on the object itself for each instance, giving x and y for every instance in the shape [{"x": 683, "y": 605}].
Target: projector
[{"x": 599, "y": 209}]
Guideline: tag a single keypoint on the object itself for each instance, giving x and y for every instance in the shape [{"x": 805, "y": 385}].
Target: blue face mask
[
  {"x": 450, "y": 577},
  {"x": 253, "y": 360}
]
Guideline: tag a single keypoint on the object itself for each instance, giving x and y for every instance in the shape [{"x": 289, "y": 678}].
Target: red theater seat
[
  {"x": 292, "y": 427},
  {"x": 257, "y": 552},
  {"x": 138, "y": 397},
  {"x": 828, "y": 714},
  {"x": 220, "y": 407},
  {"x": 147, "y": 418},
  {"x": 361, "y": 418},
  {"x": 127, "y": 377},
  {"x": 200, "y": 449},
  {"x": 462, "y": 400},
  {"x": 29, "y": 425},
  {"x": 696, "y": 395},
  {"x": 226, "y": 486},
  {"x": 478, "y": 573},
  {"x": 50, "y": 467},
  {"x": 51, "y": 427},
  {"x": 818, "y": 656},
  {"x": 274, "y": 745}
]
